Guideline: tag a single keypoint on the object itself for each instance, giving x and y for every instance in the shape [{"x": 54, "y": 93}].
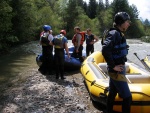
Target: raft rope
[{"x": 97, "y": 85}]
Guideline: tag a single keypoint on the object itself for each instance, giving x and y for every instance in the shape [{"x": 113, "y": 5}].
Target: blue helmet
[{"x": 46, "y": 28}]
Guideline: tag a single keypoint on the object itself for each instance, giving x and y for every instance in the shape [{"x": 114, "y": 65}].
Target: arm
[
  {"x": 95, "y": 39},
  {"x": 107, "y": 51},
  {"x": 79, "y": 41},
  {"x": 67, "y": 50}
]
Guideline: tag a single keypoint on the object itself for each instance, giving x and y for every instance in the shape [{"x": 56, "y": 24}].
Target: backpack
[
  {"x": 83, "y": 35},
  {"x": 58, "y": 41},
  {"x": 105, "y": 33},
  {"x": 44, "y": 40}
]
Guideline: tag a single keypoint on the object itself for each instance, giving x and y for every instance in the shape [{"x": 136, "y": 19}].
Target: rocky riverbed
[{"x": 37, "y": 93}]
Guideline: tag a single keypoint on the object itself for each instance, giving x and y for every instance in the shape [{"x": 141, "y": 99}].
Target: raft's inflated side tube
[{"x": 70, "y": 64}]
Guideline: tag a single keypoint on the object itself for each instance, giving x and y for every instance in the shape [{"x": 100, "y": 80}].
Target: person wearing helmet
[
  {"x": 47, "y": 50},
  {"x": 60, "y": 43},
  {"x": 115, "y": 50}
]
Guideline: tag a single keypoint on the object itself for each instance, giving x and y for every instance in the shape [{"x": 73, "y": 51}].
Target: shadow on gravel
[{"x": 67, "y": 82}]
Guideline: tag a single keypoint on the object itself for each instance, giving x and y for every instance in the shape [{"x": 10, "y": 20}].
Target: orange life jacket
[{"x": 74, "y": 39}]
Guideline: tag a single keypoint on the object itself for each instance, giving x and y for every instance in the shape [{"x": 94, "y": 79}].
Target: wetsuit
[
  {"x": 47, "y": 55},
  {"x": 114, "y": 51},
  {"x": 59, "y": 42},
  {"x": 89, "y": 47}
]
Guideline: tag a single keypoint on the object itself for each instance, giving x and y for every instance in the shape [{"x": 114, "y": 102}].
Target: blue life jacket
[{"x": 120, "y": 50}]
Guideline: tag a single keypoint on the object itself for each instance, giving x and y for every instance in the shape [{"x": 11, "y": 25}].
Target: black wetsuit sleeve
[{"x": 107, "y": 50}]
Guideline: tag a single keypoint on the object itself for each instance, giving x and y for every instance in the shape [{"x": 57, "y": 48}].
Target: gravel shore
[{"x": 45, "y": 94}]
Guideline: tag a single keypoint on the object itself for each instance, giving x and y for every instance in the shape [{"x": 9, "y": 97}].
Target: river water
[{"x": 17, "y": 61}]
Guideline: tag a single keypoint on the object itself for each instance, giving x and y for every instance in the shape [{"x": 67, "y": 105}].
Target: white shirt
[{"x": 45, "y": 34}]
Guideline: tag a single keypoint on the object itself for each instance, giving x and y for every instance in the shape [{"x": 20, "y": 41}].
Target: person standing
[
  {"x": 77, "y": 41},
  {"x": 60, "y": 43},
  {"x": 47, "y": 50},
  {"x": 114, "y": 50},
  {"x": 90, "y": 40}
]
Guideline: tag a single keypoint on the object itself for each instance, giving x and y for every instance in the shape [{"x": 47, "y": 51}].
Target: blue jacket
[{"x": 115, "y": 48}]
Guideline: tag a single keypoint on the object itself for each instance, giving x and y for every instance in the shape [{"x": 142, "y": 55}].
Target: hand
[
  {"x": 118, "y": 68},
  {"x": 77, "y": 51},
  {"x": 68, "y": 56},
  {"x": 92, "y": 42}
]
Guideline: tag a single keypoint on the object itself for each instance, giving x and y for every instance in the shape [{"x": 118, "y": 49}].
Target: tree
[
  {"x": 92, "y": 9},
  {"x": 147, "y": 27},
  {"x": 106, "y": 4},
  {"x": 71, "y": 12},
  {"x": 100, "y": 6},
  {"x": 120, "y": 6},
  {"x": 6, "y": 32}
]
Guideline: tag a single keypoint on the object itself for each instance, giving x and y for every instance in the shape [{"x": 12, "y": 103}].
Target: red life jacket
[{"x": 74, "y": 39}]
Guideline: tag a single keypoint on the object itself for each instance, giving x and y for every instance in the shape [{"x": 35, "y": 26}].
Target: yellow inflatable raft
[{"x": 94, "y": 71}]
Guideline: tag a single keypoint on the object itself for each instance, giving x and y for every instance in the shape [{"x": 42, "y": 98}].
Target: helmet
[
  {"x": 121, "y": 17},
  {"x": 63, "y": 31},
  {"x": 46, "y": 28}
]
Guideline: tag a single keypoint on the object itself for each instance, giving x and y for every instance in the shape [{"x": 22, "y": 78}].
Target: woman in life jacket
[{"x": 114, "y": 50}]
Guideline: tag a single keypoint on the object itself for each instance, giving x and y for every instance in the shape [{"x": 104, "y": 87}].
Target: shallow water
[{"x": 18, "y": 61}]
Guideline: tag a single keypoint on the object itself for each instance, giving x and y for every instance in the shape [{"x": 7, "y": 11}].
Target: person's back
[
  {"x": 60, "y": 43},
  {"x": 47, "y": 49}
]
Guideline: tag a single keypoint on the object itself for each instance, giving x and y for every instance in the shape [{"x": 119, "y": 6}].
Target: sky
[{"x": 143, "y": 7}]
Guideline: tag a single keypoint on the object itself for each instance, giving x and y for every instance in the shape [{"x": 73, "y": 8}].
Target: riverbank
[{"x": 28, "y": 91}]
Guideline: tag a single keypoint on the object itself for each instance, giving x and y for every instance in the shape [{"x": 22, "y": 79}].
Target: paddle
[{"x": 142, "y": 61}]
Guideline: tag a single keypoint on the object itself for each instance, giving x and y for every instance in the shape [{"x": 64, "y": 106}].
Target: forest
[{"x": 22, "y": 20}]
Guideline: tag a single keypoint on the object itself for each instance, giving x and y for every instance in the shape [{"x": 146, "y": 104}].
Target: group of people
[
  {"x": 59, "y": 43},
  {"x": 114, "y": 50},
  {"x": 78, "y": 41}
]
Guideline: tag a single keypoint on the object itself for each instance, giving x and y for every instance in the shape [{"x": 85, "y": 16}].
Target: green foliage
[
  {"x": 145, "y": 39},
  {"x": 6, "y": 34},
  {"x": 136, "y": 30},
  {"x": 22, "y": 20},
  {"x": 92, "y": 9}
]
